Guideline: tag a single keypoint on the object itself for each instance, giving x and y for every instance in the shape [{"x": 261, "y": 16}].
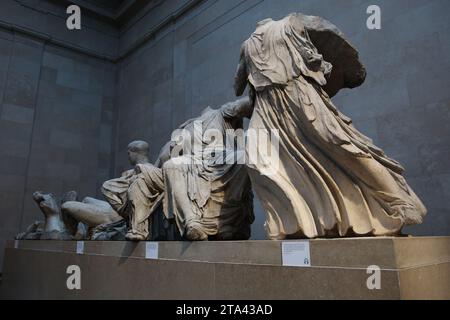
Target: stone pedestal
[{"x": 411, "y": 268}]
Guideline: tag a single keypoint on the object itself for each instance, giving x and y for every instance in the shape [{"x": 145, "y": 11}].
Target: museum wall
[
  {"x": 188, "y": 64},
  {"x": 56, "y": 111}
]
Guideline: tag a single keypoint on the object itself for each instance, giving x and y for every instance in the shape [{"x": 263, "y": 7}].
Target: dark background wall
[
  {"x": 68, "y": 109},
  {"x": 56, "y": 111}
]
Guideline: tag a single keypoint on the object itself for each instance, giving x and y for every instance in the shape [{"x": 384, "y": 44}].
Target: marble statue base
[{"x": 410, "y": 268}]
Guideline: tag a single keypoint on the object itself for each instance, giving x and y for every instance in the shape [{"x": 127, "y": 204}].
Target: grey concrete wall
[
  {"x": 56, "y": 120},
  {"x": 48, "y": 19},
  {"x": 403, "y": 105}
]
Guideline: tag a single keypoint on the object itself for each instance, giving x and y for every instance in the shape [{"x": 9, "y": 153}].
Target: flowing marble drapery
[{"x": 331, "y": 179}]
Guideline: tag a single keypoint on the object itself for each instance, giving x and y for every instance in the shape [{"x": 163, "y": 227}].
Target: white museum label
[
  {"x": 80, "y": 247},
  {"x": 296, "y": 254},
  {"x": 16, "y": 244},
  {"x": 151, "y": 250}
]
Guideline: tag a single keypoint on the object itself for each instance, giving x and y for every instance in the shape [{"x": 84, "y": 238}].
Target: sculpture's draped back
[
  {"x": 279, "y": 52},
  {"x": 330, "y": 179}
]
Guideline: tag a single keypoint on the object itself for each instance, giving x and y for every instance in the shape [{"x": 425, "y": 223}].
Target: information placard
[
  {"x": 80, "y": 247},
  {"x": 296, "y": 253},
  {"x": 151, "y": 250}
]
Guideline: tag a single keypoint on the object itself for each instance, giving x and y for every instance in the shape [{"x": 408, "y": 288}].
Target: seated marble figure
[
  {"x": 207, "y": 188},
  {"x": 130, "y": 199}
]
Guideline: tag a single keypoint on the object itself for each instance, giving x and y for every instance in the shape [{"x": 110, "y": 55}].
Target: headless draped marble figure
[
  {"x": 132, "y": 197},
  {"x": 331, "y": 180},
  {"x": 209, "y": 196}
]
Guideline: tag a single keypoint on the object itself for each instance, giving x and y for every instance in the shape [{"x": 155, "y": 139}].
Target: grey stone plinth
[{"x": 411, "y": 268}]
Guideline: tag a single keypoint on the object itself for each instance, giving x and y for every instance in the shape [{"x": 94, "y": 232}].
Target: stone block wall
[{"x": 57, "y": 111}]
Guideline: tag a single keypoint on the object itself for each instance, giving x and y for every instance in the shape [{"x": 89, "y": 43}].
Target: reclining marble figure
[
  {"x": 56, "y": 225},
  {"x": 331, "y": 181},
  {"x": 102, "y": 222},
  {"x": 69, "y": 219}
]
